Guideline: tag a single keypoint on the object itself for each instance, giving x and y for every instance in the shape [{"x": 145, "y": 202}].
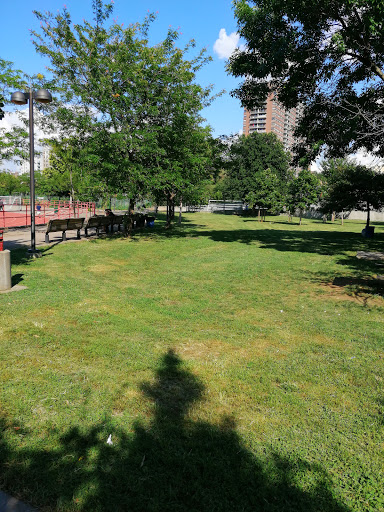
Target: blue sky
[{"x": 208, "y": 22}]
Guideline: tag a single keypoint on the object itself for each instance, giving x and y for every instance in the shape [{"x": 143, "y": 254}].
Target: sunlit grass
[{"x": 276, "y": 355}]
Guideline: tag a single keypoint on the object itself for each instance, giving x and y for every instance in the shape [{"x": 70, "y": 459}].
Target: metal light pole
[{"x": 21, "y": 98}]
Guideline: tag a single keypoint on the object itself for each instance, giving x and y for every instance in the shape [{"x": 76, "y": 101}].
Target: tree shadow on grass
[
  {"x": 173, "y": 464},
  {"x": 289, "y": 240},
  {"x": 20, "y": 256}
]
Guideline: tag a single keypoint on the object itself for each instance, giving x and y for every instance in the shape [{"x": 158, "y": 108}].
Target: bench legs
[
  {"x": 64, "y": 237},
  {"x": 78, "y": 234}
]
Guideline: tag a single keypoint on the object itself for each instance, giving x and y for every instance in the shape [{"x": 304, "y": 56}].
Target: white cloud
[
  {"x": 364, "y": 158},
  {"x": 226, "y": 44},
  {"x": 315, "y": 166},
  {"x": 12, "y": 118}
]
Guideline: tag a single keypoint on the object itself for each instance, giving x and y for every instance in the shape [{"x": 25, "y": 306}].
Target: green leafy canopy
[
  {"x": 137, "y": 106},
  {"x": 328, "y": 57}
]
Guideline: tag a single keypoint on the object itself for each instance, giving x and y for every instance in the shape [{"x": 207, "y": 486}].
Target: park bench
[
  {"x": 118, "y": 220},
  {"x": 98, "y": 222},
  {"x": 108, "y": 223},
  {"x": 63, "y": 225}
]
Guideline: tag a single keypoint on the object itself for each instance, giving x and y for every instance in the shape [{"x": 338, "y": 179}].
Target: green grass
[{"x": 237, "y": 365}]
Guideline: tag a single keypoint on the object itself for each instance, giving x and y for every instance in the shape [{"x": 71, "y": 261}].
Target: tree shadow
[
  {"x": 17, "y": 278},
  {"x": 285, "y": 240},
  {"x": 318, "y": 242},
  {"x": 173, "y": 464},
  {"x": 20, "y": 256}
]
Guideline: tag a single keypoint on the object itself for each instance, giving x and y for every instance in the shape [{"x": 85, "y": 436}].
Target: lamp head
[
  {"x": 19, "y": 98},
  {"x": 43, "y": 96}
]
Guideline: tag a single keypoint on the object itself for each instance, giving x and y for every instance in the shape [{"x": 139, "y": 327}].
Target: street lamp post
[{"x": 21, "y": 98}]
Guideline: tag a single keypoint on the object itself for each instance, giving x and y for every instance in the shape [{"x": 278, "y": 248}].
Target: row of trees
[
  {"x": 127, "y": 114},
  {"x": 258, "y": 172},
  {"x": 254, "y": 169}
]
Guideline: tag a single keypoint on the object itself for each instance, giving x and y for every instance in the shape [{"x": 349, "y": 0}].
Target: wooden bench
[
  {"x": 109, "y": 222},
  {"x": 140, "y": 220},
  {"x": 63, "y": 225},
  {"x": 98, "y": 223},
  {"x": 118, "y": 220}
]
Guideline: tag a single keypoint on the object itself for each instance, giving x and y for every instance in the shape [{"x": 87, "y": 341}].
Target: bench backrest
[
  {"x": 76, "y": 223},
  {"x": 118, "y": 219},
  {"x": 93, "y": 222},
  {"x": 105, "y": 221},
  {"x": 57, "y": 225}
]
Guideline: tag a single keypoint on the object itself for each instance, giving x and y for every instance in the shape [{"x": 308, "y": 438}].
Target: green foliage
[
  {"x": 329, "y": 59},
  {"x": 14, "y": 142},
  {"x": 68, "y": 173},
  {"x": 351, "y": 186},
  {"x": 303, "y": 191},
  {"x": 257, "y": 162},
  {"x": 8, "y": 184},
  {"x": 266, "y": 193},
  {"x": 10, "y": 80}
]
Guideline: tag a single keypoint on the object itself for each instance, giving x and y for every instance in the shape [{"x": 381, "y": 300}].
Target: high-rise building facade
[
  {"x": 272, "y": 117},
  {"x": 41, "y": 161}
]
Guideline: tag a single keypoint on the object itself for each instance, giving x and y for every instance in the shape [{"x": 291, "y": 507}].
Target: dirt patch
[{"x": 360, "y": 290}]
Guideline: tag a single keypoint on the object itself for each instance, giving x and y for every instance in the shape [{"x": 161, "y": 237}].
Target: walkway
[
  {"x": 8, "y": 504},
  {"x": 18, "y": 238}
]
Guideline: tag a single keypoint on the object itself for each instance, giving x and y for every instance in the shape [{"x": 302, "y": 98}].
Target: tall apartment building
[
  {"x": 41, "y": 161},
  {"x": 272, "y": 117}
]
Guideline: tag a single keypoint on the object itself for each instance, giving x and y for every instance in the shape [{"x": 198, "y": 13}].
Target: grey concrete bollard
[{"x": 5, "y": 270}]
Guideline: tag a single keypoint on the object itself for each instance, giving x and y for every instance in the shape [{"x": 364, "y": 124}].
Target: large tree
[
  {"x": 328, "y": 57},
  {"x": 304, "y": 190},
  {"x": 248, "y": 160},
  {"x": 350, "y": 186},
  {"x": 266, "y": 193},
  {"x": 134, "y": 98}
]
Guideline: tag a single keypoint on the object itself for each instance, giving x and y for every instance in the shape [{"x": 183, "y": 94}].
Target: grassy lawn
[{"x": 236, "y": 365}]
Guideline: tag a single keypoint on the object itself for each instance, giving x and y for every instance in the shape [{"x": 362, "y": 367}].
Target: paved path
[
  {"x": 8, "y": 504},
  {"x": 21, "y": 237}
]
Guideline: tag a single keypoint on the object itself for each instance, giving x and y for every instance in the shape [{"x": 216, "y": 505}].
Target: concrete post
[{"x": 5, "y": 270}]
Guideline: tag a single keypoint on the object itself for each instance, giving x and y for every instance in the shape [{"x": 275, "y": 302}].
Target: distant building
[
  {"x": 41, "y": 162},
  {"x": 272, "y": 117}
]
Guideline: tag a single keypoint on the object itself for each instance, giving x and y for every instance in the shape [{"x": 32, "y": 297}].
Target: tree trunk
[
  {"x": 301, "y": 214},
  {"x": 129, "y": 224},
  {"x": 72, "y": 193},
  {"x": 180, "y": 210},
  {"x": 342, "y": 218},
  {"x": 333, "y": 216},
  {"x": 368, "y": 215},
  {"x": 258, "y": 214},
  {"x": 170, "y": 209}
]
